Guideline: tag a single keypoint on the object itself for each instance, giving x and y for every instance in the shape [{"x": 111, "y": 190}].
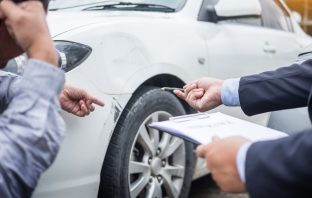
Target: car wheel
[{"x": 144, "y": 162}]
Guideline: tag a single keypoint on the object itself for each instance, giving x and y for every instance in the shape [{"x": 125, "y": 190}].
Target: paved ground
[{"x": 206, "y": 188}]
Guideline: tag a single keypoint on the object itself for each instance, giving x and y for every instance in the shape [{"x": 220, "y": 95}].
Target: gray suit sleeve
[
  {"x": 280, "y": 168},
  {"x": 285, "y": 88},
  {"x": 31, "y": 129}
]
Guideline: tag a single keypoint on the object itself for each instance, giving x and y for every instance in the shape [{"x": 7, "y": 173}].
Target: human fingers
[
  {"x": 96, "y": 101},
  {"x": 194, "y": 95},
  {"x": 187, "y": 85},
  {"x": 189, "y": 88},
  {"x": 180, "y": 94},
  {"x": 210, "y": 100},
  {"x": 201, "y": 151},
  {"x": 84, "y": 108},
  {"x": 31, "y": 5},
  {"x": 23, "y": 4},
  {"x": 196, "y": 83},
  {"x": 80, "y": 94},
  {"x": 9, "y": 14},
  {"x": 79, "y": 113},
  {"x": 204, "y": 150},
  {"x": 76, "y": 111},
  {"x": 90, "y": 105},
  {"x": 91, "y": 108},
  {"x": 10, "y": 10}
]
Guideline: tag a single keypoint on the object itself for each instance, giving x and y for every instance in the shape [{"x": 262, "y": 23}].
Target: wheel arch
[{"x": 166, "y": 80}]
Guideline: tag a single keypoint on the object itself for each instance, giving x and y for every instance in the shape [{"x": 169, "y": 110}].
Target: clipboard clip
[{"x": 191, "y": 116}]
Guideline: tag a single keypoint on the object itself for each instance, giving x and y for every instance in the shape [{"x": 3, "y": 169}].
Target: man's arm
[
  {"x": 280, "y": 168},
  {"x": 8, "y": 86},
  {"x": 73, "y": 99},
  {"x": 31, "y": 129},
  {"x": 285, "y": 88},
  {"x": 277, "y": 168},
  {"x": 78, "y": 102}
]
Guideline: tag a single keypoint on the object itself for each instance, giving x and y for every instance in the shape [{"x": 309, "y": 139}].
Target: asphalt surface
[{"x": 206, "y": 188}]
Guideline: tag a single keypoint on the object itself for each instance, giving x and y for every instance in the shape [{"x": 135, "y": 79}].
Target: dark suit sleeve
[
  {"x": 285, "y": 88},
  {"x": 280, "y": 168}
]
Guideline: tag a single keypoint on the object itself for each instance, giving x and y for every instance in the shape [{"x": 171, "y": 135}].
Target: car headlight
[{"x": 71, "y": 54}]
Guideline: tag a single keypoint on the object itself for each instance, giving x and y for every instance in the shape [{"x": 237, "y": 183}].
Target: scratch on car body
[{"x": 117, "y": 110}]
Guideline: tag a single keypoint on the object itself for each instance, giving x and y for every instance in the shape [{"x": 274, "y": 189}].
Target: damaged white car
[{"x": 123, "y": 52}]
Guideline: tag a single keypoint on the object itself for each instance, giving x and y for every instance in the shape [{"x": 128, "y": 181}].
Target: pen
[{"x": 171, "y": 89}]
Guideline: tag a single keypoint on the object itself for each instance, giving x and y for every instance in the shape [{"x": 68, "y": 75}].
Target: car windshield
[{"x": 66, "y": 4}]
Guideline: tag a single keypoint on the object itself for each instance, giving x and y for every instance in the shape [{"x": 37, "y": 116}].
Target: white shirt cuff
[
  {"x": 241, "y": 161},
  {"x": 229, "y": 92}
]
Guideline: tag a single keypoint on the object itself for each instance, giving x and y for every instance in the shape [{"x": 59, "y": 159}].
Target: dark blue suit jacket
[{"x": 280, "y": 168}]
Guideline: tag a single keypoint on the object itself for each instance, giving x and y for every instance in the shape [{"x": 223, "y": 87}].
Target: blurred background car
[{"x": 123, "y": 52}]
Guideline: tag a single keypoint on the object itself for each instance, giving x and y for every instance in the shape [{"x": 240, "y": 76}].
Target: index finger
[
  {"x": 180, "y": 94},
  {"x": 97, "y": 101},
  {"x": 189, "y": 88}
]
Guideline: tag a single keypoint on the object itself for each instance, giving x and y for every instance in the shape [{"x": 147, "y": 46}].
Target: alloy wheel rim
[{"x": 157, "y": 161}]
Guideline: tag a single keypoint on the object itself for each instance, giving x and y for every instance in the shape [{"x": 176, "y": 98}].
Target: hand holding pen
[
  {"x": 203, "y": 94},
  {"x": 172, "y": 89}
]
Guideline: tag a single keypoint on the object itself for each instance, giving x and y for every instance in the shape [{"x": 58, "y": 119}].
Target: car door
[
  {"x": 238, "y": 46},
  {"x": 283, "y": 41},
  {"x": 241, "y": 45}
]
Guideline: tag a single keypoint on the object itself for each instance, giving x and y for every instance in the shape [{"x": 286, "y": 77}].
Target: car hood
[{"x": 62, "y": 21}]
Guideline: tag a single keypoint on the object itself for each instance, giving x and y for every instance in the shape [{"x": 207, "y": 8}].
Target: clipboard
[{"x": 200, "y": 128}]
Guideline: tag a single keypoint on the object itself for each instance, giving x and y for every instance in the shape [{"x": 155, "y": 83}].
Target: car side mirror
[
  {"x": 297, "y": 16},
  {"x": 233, "y": 9}
]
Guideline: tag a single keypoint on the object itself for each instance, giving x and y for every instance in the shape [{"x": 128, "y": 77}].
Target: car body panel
[
  {"x": 123, "y": 47},
  {"x": 86, "y": 140}
]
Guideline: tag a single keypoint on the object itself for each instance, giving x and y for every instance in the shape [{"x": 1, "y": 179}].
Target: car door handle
[{"x": 268, "y": 49}]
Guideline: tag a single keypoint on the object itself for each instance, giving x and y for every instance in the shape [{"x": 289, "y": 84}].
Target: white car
[{"x": 123, "y": 52}]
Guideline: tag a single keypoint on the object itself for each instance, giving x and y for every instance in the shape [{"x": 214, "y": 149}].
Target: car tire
[{"x": 120, "y": 177}]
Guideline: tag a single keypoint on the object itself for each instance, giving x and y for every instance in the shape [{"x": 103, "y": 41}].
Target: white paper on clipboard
[{"x": 202, "y": 127}]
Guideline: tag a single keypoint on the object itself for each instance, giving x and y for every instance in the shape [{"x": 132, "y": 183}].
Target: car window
[
  {"x": 251, "y": 21},
  {"x": 246, "y": 20},
  {"x": 275, "y": 16}
]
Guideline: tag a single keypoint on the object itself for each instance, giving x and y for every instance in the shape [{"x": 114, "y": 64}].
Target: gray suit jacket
[{"x": 280, "y": 168}]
